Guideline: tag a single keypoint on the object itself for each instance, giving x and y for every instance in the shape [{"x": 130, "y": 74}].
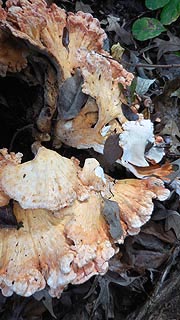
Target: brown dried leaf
[
  {"x": 44, "y": 296},
  {"x": 173, "y": 44},
  {"x": 111, "y": 213},
  {"x": 173, "y": 222},
  {"x": 156, "y": 170},
  {"x": 7, "y": 217},
  {"x": 157, "y": 230},
  {"x": 71, "y": 98},
  {"x": 80, "y": 6},
  {"x": 129, "y": 114},
  {"x": 112, "y": 150}
]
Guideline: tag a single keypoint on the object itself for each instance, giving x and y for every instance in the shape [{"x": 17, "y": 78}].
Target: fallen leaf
[
  {"x": 176, "y": 93},
  {"x": 117, "y": 51},
  {"x": 7, "y": 217},
  {"x": 65, "y": 38},
  {"x": 46, "y": 299},
  {"x": 111, "y": 213},
  {"x": 176, "y": 185},
  {"x": 157, "y": 230},
  {"x": 104, "y": 298},
  {"x": 149, "y": 259},
  {"x": 172, "y": 72},
  {"x": 173, "y": 222},
  {"x": 176, "y": 172},
  {"x": 122, "y": 35},
  {"x": 81, "y": 6},
  {"x": 112, "y": 150},
  {"x": 173, "y": 44},
  {"x": 171, "y": 129},
  {"x": 128, "y": 113},
  {"x": 142, "y": 85},
  {"x": 71, "y": 98},
  {"x": 112, "y": 23}
]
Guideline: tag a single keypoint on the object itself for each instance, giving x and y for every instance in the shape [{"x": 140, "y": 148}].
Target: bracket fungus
[
  {"x": 51, "y": 37},
  {"x": 101, "y": 116},
  {"x": 70, "y": 46},
  {"x": 56, "y": 189},
  {"x": 5, "y": 160},
  {"x": 44, "y": 30},
  {"x": 52, "y": 31},
  {"x": 67, "y": 233},
  {"x": 52, "y": 251},
  {"x": 139, "y": 194},
  {"x": 65, "y": 237},
  {"x": 12, "y": 54}
]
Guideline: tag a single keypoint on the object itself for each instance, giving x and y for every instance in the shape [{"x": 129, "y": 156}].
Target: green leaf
[
  {"x": 132, "y": 90},
  {"x": 177, "y": 53},
  {"x": 170, "y": 12},
  {"x": 147, "y": 28},
  {"x": 155, "y": 4}
]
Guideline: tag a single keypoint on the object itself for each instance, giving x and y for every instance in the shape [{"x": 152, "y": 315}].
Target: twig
[
  {"x": 16, "y": 134},
  {"x": 143, "y": 65}
]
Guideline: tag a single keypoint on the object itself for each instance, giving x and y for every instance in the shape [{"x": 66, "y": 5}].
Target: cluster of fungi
[{"x": 72, "y": 217}]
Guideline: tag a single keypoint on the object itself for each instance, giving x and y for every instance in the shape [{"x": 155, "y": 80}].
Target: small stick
[
  {"x": 143, "y": 64},
  {"x": 16, "y": 134}
]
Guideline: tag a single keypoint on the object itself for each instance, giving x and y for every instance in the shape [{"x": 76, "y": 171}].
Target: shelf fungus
[
  {"x": 7, "y": 160},
  {"x": 102, "y": 114},
  {"x": 134, "y": 198},
  {"x": 52, "y": 31},
  {"x": 79, "y": 85},
  {"x": 12, "y": 54},
  {"x": 53, "y": 251},
  {"x": 71, "y": 219},
  {"x": 57, "y": 176},
  {"x": 65, "y": 44}
]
